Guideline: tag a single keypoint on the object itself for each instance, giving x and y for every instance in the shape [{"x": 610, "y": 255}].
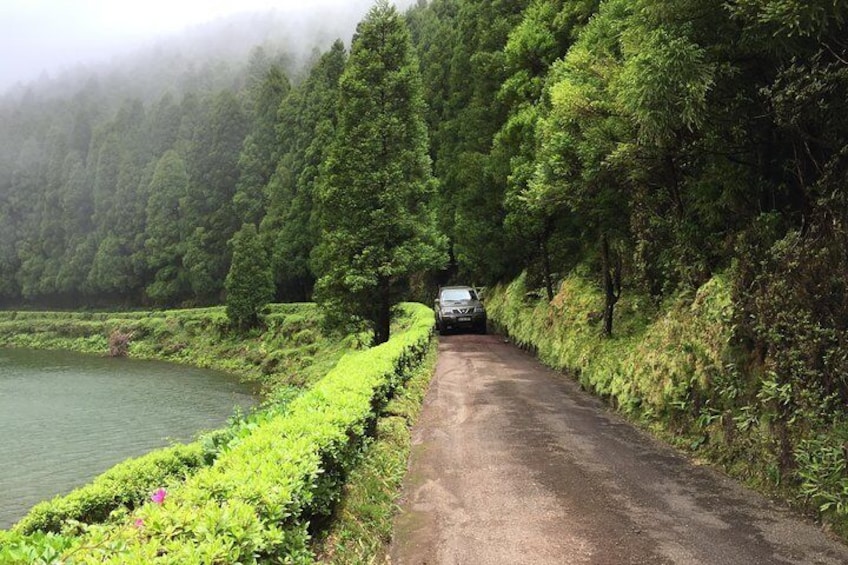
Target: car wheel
[{"x": 482, "y": 329}]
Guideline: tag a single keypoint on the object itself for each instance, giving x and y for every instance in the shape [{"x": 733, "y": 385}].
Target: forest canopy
[{"x": 654, "y": 143}]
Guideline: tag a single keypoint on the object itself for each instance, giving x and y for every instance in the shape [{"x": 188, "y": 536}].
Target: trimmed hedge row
[
  {"x": 126, "y": 484},
  {"x": 21, "y": 315},
  {"x": 255, "y": 503}
]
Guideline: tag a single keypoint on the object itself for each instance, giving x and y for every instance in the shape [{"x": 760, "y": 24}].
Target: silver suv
[{"x": 459, "y": 307}]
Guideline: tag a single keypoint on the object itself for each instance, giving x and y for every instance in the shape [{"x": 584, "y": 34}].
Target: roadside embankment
[
  {"x": 361, "y": 529},
  {"x": 678, "y": 370}
]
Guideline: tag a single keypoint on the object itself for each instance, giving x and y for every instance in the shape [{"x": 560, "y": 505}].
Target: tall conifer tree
[
  {"x": 249, "y": 284},
  {"x": 377, "y": 225},
  {"x": 164, "y": 244}
]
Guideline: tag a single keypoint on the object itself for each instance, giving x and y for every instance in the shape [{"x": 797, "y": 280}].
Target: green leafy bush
[
  {"x": 34, "y": 549},
  {"x": 362, "y": 523},
  {"x": 254, "y": 504},
  {"x": 682, "y": 371},
  {"x": 822, "y": 469},
  {"x": 127, "y": 484}
]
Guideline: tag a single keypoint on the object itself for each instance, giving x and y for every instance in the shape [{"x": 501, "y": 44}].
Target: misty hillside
[
  {"x": 699, "y": 150},
  {"x": 79, "y": 148},
  {"x": 222, "y": 45}
]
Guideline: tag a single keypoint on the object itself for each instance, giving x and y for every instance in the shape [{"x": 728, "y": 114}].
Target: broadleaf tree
[{"x": 374, "y": 201}]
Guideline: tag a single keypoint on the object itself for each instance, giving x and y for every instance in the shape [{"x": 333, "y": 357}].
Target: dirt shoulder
[{"x": 513, "y": 463}]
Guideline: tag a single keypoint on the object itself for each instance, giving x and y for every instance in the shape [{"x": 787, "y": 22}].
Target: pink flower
[
  {"x": 139, "y": 523},
  {"x": 159, "y": 496}
]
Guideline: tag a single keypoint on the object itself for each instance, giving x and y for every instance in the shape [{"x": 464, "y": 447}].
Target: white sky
[{"x": 39, "y": 35}]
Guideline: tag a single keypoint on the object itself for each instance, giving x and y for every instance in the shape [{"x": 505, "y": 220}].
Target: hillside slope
[{"x": 678, "y": 370}]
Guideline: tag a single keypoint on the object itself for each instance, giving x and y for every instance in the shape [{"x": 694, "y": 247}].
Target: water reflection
[{"x": 65, "y": 418}]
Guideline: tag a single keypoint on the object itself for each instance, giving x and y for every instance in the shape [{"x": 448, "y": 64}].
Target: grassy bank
[
  {"x": 267, "y": 482},
  {"x": 289, "y": 349},
  {"x": 677, "y": 370},
  {"x": 285, "y": 356}
]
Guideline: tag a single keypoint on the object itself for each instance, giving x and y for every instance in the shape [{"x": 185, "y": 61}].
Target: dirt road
[{"x": 513, "y": 464}]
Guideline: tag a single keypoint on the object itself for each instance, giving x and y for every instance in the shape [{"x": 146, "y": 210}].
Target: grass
[
  {"x": 676, "y": 370},
  {"x": 289, "y": 350}
]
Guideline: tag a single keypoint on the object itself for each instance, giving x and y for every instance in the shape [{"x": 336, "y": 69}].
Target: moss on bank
[{"x": 677, "y": 370}]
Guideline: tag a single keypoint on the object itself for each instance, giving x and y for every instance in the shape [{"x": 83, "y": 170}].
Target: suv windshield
[{"x": 457, "y": 294}]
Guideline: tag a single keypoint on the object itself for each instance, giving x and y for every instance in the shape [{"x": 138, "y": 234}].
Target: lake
[{"x": 65, "y": 417}]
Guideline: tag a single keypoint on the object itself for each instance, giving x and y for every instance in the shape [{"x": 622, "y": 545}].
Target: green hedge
[
  {"x": 33, "y": 549},
  {"x": 126, "y": 484},
  {"x": 48, "y": 529},
  {"x": 361, "y": 530},
  {"x": 255, "y": 503}
]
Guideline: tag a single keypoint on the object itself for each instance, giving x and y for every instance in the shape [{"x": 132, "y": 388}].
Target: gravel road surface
[{"x": 512, "y": 463}]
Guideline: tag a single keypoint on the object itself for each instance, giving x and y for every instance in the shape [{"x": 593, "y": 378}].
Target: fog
[{"x": 40, "y": 39}]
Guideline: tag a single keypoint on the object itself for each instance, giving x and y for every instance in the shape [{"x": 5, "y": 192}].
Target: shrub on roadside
[
  {"x": 255, "y": 502},
  {"x": 683, "y": 372},
  {"x": 127, "y": 484},
  {"x": 119, "y": 343}
]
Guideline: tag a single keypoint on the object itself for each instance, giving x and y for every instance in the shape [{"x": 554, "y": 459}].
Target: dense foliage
[
  {"x": 249, "y": 284},
  {"x": 377, "y": 225},
  {"x": 667, "y": 154},
  {"x": 658, "y": 142},
  {"x": 658, "y": 149},
  {"x": 654, "y": 146},
  {"x": 254, "y": 503}
]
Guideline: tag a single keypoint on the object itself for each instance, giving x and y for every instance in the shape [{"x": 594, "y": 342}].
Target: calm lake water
[{"x": 65, "y": 418}]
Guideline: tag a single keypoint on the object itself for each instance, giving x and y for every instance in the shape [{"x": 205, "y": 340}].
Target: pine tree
[
  {"x": 307, "y": 121},
  {"x": 377, "y": 225},
  {"x": 249, "y": 284},
  {"x": 261, "y": 149},
  {"x": 164, "y": 246},
  {"x": 212, "y": 164}
]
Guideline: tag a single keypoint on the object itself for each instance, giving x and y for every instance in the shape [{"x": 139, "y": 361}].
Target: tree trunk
[
  {"x": 612, "y": 282},
  {"x": 546, "y": 266},
  {"x": 383, "y": 321}
]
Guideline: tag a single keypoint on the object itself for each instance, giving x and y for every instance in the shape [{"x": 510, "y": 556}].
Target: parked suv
[{"x": 459, "y": 307}]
